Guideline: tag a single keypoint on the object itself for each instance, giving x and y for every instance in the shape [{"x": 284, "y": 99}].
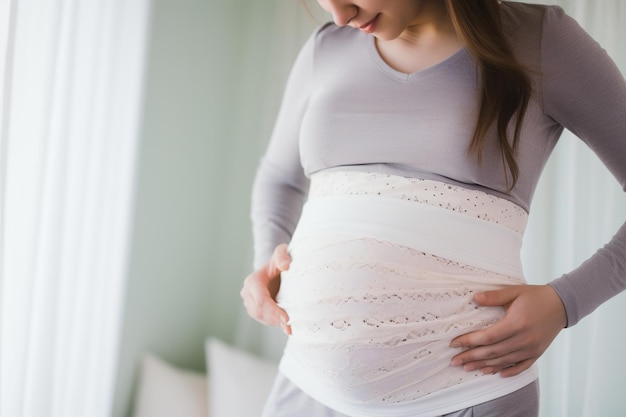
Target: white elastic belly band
[{"x": 430, "y": 229}]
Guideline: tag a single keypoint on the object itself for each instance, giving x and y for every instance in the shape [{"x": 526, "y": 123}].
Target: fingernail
[
  {"x": 457, "y": 362},
  {"x": 469, "y": 368},
  {"x": 455, "y": 345},
  {"x": 480, "y": 296}
]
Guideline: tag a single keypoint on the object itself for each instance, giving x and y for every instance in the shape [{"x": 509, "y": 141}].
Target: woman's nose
[{"x": 343, "y": 11}]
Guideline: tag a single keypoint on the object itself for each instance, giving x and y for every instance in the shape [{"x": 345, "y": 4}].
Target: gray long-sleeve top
[{"x": 345, "y": 108}]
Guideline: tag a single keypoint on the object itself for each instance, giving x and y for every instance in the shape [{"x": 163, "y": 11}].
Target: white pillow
[
  {"x": 167, "y": 391},
  {"x": 239, "y": 382}
]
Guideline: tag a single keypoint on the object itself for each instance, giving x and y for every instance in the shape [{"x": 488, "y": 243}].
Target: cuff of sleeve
[
  {"x": 595, "y": 281},
  {"x": 568, "y": 298}
]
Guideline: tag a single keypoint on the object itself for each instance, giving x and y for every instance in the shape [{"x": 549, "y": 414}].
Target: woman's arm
[
  {"x": 584, "y": 91},
  {"x": 279, "y": 191},
  {"x": 281, "y": 186}
]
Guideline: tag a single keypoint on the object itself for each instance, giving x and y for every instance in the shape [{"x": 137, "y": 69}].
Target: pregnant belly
[
  {"x": 374, "y": 319},
  {"x": 382, "y": 278}
]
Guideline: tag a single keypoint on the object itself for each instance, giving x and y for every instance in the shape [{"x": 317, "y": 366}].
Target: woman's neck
[{"x": 428, "y": 40}]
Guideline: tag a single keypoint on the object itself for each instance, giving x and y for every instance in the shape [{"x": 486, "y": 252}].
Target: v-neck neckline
[{"x": 403, "y": 76}]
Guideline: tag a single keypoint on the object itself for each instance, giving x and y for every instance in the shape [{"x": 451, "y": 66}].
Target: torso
[{"x": 412, "y": 117}]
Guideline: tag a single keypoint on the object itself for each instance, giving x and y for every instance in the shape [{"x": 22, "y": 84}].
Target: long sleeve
[
  {"x": 585, "y": 92},
  {"x": 280, "y": 185}
]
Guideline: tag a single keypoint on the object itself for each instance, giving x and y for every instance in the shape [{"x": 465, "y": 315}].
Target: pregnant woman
[{"x": 390, "y": 205}]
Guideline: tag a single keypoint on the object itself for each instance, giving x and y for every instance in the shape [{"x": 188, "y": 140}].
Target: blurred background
[{"x": 215, "y": 76}]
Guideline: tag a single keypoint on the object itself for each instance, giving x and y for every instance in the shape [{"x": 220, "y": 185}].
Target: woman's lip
[{"x": 370, "y": 26}]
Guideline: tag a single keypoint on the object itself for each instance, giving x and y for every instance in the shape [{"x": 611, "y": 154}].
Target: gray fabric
[
  {"x": 287, "y": 400},
  {"x": 521, "y": 403},
  {"x": 344, "y": 108}
]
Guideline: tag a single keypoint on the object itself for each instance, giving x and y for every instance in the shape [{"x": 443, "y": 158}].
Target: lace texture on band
[{"x": 372, "y": 320}]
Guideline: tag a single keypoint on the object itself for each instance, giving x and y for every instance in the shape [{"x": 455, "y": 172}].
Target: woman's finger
[{"x": 260, "y": 288}]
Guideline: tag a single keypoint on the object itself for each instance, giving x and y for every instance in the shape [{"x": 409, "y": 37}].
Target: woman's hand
[
  {"x": 260, "y": 289},
  {"x": 534, "y": 316}
]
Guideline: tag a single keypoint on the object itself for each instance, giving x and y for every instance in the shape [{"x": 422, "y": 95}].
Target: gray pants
[{"x": 287, "y": 400}]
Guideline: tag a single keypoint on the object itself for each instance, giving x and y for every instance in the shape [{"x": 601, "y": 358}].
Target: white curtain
[
  {"x": 577, "y": 208},
  {"x": 70, "y": 86}
]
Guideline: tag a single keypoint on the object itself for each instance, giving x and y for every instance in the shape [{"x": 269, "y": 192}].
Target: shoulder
[
  {"x": 332, "y": 44},
  {"x": 533, "y": 28},
  {"x": 525, "y": 17},
  {"x": 526, "y": 24},
  {"x": 523, "y": 25},
  {"x": 546, "y": 35},
  {"x": 518, "y": 16},
  {"x": 331, "y": 35}
]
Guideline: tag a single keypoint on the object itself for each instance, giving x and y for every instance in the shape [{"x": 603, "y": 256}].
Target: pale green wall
[{"x": 215, "y": 74}]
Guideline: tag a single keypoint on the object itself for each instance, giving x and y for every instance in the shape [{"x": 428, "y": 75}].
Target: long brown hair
[{"x": 505, "y": 87}]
